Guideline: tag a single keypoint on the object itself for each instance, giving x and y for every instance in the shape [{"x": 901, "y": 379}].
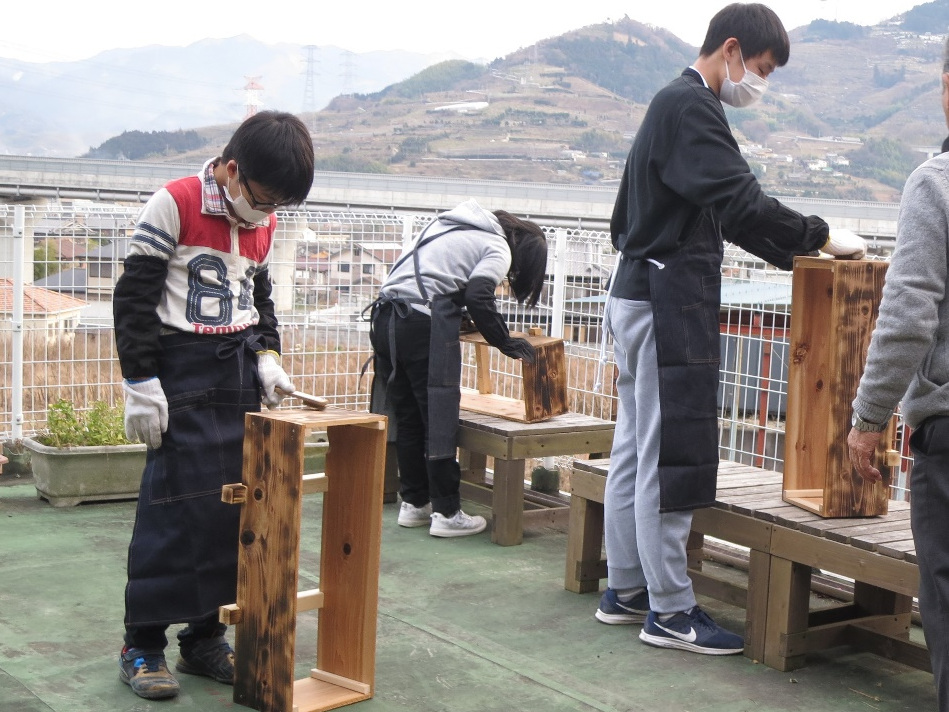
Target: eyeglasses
[{"x": 256, "y": 204}]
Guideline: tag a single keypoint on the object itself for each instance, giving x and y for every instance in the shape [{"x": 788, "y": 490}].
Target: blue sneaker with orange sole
[{"x": 146, "y": 672}]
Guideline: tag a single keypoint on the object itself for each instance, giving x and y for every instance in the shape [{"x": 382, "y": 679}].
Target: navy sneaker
[
  {"x": 691, "y": 630},
  {"x": 613, "y": 611},
  {"x": 209, "y": 657}
]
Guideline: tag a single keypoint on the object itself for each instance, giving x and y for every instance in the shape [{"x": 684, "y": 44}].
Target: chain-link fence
[{"x": 327, "y": 268}]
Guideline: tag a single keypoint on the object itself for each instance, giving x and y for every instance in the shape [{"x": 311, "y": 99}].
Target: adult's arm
[{"x": 907, "y": 328}]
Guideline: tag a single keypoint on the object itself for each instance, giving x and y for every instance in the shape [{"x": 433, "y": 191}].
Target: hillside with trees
[
  {"x": 853, "y": 112},
  {"x": 150, "y": 145}
]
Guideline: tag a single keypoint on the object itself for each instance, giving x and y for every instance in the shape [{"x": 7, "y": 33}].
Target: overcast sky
[{"x": 58, "y": 30}]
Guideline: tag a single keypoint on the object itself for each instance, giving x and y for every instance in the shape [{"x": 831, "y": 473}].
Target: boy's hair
[
  {"x": 274, "y": 148},
  {"x": 528, "y": 256},
  {"x": 756, "y": 27},
  {"x": 945, "y": 57}
]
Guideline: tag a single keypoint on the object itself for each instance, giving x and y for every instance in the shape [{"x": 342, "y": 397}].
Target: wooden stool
[{"x": 267, "y": 597}]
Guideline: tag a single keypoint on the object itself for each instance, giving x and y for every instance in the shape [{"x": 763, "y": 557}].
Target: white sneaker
[
  {"x": 459, "y": 524},
  {"x": 412, "y": 516}
]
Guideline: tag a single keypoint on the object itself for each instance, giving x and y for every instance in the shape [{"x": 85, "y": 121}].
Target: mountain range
[
  {"x": 854, "y": 110},
  {"x": 64, "y": 108}
]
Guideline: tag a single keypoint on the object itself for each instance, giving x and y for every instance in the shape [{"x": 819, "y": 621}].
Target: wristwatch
[{"x": 866, "y": 427}]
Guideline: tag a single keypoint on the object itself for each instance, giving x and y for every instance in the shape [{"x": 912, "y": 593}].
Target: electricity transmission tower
[
  {"x": 309, "y": 86},
  {"x": 252, "y": 101}
]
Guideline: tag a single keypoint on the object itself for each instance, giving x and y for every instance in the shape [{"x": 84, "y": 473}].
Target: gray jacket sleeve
[{"x": 908, "y": 348}]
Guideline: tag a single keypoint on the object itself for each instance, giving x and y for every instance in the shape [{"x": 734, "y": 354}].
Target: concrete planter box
[
  {"x": 69, "y": 475},
  {"x": 66, "y": 476}
]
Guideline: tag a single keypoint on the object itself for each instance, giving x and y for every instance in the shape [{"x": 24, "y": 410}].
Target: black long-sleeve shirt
[{"x": 686, "y": 162}]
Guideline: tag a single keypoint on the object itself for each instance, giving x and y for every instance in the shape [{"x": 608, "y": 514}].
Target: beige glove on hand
[
  {"x": 273, "y": 379},
  {"x": 845, "y": 244},
  {"x": 146, "y": 411}
]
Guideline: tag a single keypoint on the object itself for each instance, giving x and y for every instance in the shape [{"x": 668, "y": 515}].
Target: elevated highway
[{"x": 31, "y": 178}]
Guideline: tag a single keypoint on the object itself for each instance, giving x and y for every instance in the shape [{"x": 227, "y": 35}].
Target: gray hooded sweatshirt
[{"x": 448, "y": 263}]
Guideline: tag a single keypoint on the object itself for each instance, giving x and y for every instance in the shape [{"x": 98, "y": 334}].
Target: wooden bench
[
  {"x": 785, "y": 544},
  {"x": 511, "y": 443}
]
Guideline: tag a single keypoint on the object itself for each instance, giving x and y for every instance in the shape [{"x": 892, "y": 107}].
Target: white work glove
[
  {"x": 846, "y": 244},
  {"x": 273, "y": 379},
  {"x": 146, "y": 412}
]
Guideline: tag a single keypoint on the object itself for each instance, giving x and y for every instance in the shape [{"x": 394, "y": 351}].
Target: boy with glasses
[{"x": 198, "y": 345}]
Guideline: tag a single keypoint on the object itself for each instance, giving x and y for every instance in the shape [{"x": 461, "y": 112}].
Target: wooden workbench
[
  {"x": 511, "y": 443},
  {"x": 786, "y": 543}
]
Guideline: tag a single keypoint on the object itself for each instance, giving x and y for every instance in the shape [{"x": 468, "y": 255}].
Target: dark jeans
[
  {"x": 929, "y": 512},
  {"x": 421, "y": 480},
  {"x": 154, "y": 637}
]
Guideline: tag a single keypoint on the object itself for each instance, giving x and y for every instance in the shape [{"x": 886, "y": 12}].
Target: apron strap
[
  {"x": 238, "y": 344},
  {"x": 402, "y": 305}
]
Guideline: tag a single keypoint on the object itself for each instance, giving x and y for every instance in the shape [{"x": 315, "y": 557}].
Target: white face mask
[
  {"x": 743, "y": 93},
  {"x": 241, "y": 207}
]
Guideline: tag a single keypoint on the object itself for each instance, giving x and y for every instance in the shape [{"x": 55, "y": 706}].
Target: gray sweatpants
[{"x": 643, "y": 547}]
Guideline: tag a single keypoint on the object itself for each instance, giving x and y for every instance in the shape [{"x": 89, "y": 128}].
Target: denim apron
[
  {"x": 182, "y": 562},
  {"x": 444, "y": 357},
  {"x": 685, "y": 292}
]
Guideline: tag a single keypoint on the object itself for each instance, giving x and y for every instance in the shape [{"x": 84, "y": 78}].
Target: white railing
[{"x": 327, "y": 267}]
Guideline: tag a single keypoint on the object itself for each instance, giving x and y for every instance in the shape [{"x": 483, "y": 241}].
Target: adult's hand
[
  {"x": 146, "y": 411},
  {"x": 861, "y": 446}
]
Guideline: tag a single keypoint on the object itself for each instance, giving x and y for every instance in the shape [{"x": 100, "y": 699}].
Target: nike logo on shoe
[{"x": 689, "y": 637}]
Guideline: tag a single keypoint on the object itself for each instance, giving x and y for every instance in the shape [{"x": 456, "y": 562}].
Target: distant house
[
  {"x": 104, "y": 266},
  {"x": 364, "y": 265},
  {"x": 43, "y": 310},
  {"x": 311, "y": 268},
  {"x": 69, "y": 281}
]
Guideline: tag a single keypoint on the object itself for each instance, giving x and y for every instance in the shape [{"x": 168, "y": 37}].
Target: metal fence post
[
  {"x": 16, "y": 407},
  {"x": 560, "y": 283},
  {"x": 408, "y": 223}
]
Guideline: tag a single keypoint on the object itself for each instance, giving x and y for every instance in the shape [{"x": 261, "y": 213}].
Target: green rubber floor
[{"x": 464, "y": 626}]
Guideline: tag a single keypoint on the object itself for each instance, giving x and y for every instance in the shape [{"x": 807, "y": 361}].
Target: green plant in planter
[
  {"x": 85, "y": 456},
  {"x": 101, "y": 425}
]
